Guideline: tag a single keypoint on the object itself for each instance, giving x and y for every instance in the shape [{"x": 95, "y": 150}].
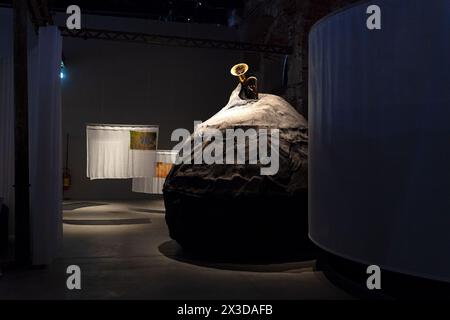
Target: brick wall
[{"x": 284, "y": 22}]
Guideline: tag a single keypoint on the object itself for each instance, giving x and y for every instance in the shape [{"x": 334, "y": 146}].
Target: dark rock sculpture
[{"x": 233, "y": 209}]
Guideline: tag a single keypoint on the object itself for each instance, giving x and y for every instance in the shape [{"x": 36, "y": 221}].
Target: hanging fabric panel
[
  {"x": 45, "y": 146},
  {"x": 121, "y": 152},
  {"x": 7, "y": 134},
  {"x": 154, "y": 185}
]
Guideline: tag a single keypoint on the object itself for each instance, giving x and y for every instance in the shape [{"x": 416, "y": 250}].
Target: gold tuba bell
[
  {"x": 239, "y": 70},
  {"x": 249, "y": 85}
]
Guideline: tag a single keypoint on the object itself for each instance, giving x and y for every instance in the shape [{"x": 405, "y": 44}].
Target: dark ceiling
[{"x": 198, "y": 11}]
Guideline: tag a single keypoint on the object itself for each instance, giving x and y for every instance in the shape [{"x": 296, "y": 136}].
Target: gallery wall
[
  {"x": 116, "y": 82},
  {"x": 126, "y": 83}
]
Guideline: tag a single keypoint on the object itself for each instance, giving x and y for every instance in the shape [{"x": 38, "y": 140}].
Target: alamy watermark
[
  {"x": 73, "y": 281},
  {"x": 73, "y": 22},
  {"x": 229, "y": 146},
  {"x": 374, "y": 20},
  {"x": 374, "y": 280}
]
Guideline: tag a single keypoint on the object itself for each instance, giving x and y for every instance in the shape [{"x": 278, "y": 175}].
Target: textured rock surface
[{"x": 233, "y": 208}]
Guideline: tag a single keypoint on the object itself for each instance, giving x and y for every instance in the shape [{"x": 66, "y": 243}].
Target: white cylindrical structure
[{"x": 379, "y": 125}]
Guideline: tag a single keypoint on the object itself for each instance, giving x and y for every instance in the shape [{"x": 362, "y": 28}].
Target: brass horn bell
[{"x": 239, "y": 70}]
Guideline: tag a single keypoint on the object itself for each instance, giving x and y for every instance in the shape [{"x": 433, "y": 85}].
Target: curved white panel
[{"x": 379, "y": 113}]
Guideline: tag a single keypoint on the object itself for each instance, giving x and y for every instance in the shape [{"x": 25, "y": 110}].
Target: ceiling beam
[{"x": 164, "y": 40}]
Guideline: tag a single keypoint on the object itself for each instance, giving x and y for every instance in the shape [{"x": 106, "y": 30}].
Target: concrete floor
[{"x": 140, "y": 261}]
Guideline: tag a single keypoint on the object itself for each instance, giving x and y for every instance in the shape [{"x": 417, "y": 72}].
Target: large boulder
[{"x": 224, "y": 208}]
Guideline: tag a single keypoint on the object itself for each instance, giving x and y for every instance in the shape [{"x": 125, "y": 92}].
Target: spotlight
[{"x": 62, "y": 75}]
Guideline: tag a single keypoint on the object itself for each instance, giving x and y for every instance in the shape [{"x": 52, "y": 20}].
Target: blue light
[{"x": 62, "y": 74}]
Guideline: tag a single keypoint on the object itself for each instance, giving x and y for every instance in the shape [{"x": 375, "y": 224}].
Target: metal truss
[{"x": 173, "y": 41}]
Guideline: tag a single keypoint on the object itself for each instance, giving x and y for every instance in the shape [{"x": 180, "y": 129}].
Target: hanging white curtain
[
  {"x": 7, "y": 134},
  {"x": 45, "y": 145},
  {"x": 110, "y": 154},
  {"x": 154, "y": 185}
]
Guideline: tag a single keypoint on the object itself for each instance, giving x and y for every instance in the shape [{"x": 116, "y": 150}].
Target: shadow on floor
[
  {"x": 297, "y": 264},
  {"x": 351, "y": 277}
]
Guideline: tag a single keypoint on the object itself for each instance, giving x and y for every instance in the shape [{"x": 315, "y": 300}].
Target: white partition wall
[{"x": 379, "y": 125}]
